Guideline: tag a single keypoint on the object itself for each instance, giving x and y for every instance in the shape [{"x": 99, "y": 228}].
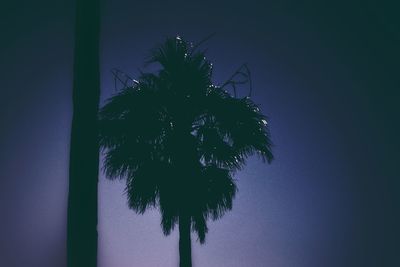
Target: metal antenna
[
  {"x": 241, "y": 76},
  {"x": 196, "y": 45},
  {"x": 122, "y": 79}
]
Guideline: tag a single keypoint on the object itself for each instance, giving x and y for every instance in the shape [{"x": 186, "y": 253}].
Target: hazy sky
[{"x": 326, "y": 76}]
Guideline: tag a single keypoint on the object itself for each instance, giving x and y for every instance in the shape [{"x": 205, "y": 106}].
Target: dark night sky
[{"x": 327, "y": 76}]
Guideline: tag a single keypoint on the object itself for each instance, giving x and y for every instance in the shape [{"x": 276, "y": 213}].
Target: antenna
[
  {"x": 122, "y": 80},
  {"x": 241, "y": 76}
]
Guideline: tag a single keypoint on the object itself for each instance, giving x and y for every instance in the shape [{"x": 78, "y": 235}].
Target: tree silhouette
[
  {"x": 84, "y": 148},
  {"x": 178, "y": 139}
]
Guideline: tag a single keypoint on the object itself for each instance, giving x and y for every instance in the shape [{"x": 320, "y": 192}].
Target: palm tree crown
[{"x": 178, "y": 139}]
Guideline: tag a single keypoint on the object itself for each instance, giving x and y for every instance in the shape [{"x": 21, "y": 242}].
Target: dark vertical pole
[
  {"x": 84, "y": 150},
  {"x": 185, "y": 246}
]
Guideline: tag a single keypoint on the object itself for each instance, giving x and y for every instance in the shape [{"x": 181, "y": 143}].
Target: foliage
[{"x": 177, "y": 139}]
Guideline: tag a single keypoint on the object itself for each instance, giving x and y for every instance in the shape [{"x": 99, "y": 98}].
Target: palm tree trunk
[
  {"x": 84, "y": 150},
  {"x": 185, "y": 246}
]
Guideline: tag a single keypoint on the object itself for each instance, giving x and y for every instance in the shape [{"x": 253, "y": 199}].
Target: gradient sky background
[{"x": 327, "y": 76}]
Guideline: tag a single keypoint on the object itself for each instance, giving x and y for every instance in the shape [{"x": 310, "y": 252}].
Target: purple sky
[{"x": 326, "y": 77}]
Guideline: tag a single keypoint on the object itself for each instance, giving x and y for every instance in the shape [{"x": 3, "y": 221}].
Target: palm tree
[
  {"x": 84, "y": 148},
  {"x": 177, "y": 139}
]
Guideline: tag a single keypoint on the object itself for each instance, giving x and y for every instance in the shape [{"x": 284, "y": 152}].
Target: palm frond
[
  {"x": 220, "y": 191},
  {"x": 142, "y": 186},
  {"x": 215, "y": 148},
  {"x": 170, "y": 54},
  {"x": 199, "y": 225},
  {"x": 184, "y": 72},
  {"x": 241, "y": 123},
  {"x": 132, "y": 127}
]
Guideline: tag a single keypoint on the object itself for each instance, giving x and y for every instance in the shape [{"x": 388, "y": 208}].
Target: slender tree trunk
[
  {"x": 84, "y": 150},
  {"x": 185, "y": 246}
]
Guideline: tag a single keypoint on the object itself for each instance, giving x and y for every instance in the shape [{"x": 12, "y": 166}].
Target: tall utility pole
[{"x": 84, "y": 149}]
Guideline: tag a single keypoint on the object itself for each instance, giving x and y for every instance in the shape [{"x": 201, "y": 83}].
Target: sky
[{"x": 325, "y": 75}]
